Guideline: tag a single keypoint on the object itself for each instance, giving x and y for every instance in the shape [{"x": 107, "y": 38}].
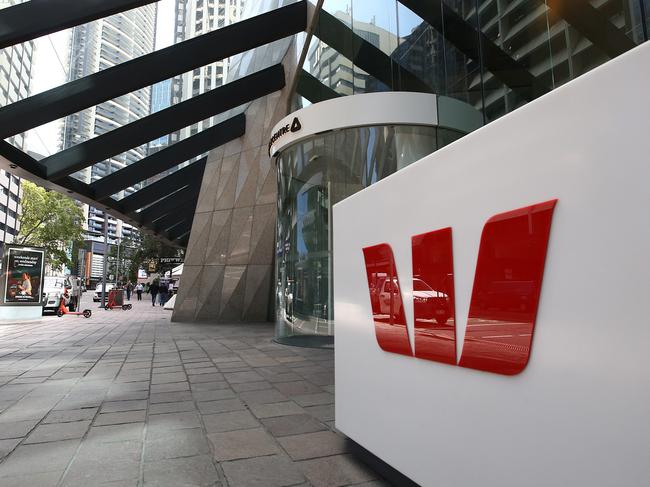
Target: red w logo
[{"x": 503, "y": 307}]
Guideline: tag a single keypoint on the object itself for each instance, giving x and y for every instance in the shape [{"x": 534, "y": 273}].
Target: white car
[
  {"x": 97, "y": 295},
  {"x": 53, "y": 288}
]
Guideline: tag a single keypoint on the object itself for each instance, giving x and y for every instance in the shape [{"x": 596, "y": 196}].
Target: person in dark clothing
[
  {"x": 129, "y": 288},
  {"x": 153, "y": 289}
]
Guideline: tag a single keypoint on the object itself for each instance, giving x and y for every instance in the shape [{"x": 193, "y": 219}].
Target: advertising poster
[{"x": 24, "y": 275}]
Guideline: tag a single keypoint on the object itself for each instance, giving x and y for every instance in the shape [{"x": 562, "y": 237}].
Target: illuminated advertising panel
[{"x": 23, "y": 275}]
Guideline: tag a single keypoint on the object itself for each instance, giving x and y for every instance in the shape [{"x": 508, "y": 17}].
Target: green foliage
[{"x": 52, "y": 220}]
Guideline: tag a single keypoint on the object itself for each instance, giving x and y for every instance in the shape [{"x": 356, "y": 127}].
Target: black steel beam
[
  {"x": 189, "y": 175},
  {"x": 593, "y": 25},
  {"x": 23, "y": 165},
  {"x": 365, "y": 55},
  {"x": 180, "y": 230},
  {"x": 476, "y": 45},
  {"x": 151, "y": 68},
  {"x": 164, "y": 122},
  {"x": 183, "y": 202},
  {"x": 36, "y": 18},
  {"x": 170, "y": 157},
  {"x": 311, "y": 88},
  {"x": 166, "y": 222},
  {"x": 19, "y": 159}
]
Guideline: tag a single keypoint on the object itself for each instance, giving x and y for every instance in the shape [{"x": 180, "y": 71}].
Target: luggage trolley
[{"x": 116, "y": 300}]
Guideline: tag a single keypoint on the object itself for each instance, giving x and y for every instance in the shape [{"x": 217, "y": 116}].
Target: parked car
[
  {"x": 430, "y": 303},
  {"x": 97, "y": 295},
  {"x": 53, "y": 288}
]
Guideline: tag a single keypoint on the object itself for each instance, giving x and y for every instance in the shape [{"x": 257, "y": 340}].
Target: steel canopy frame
[
  {"x": 365, "y": 55},
  {"x": 163, "y": 187},
  {"x": 164, "y": 122},
  {"x": 151, "y": 68},
  {"x": 593, "y": 25},
  {"x": 463, "y": 35},
  {"x": 169, "y": 157},
  {"x": 36, "y": 18},
  {"x": 24, "y": 166}
]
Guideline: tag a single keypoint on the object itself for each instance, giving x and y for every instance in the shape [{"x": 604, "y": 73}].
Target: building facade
[
  {"x": 96, "y": 46},
  {"x": 193, "y": 18}
]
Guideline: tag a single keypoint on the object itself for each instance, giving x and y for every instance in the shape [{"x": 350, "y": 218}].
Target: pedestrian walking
[
  {"x": 129, "y": 288},
  {"x": 162, "y": 294},
  {"x": 138, "y": 289},
  {"x": 153, "y": 289}
]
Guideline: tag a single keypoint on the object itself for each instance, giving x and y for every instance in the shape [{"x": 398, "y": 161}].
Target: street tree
[{"x": 51, "y": 220}]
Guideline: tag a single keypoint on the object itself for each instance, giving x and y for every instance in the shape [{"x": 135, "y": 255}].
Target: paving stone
[
  {"x": 294, "y": 424},
  {"x": 248, "y": 443},
  {"x": 215, "y": 395},
  {"x": 322, "y": 413},
  {"x": 119, "y": 418},
  {"x": 46, "y": 479},
  {"x": 116, "y": 433},
  {"x": 296, "y": 388},
  {"x": 139, "y": 367},
  {"x": 314, "y": 399},
  {"x": 43, "y": 457},
  {"x": 127, "y": 395},
  {"x": 336, "y": 471},
  {"x": 203, "y": 371},
  {"x": 230, "y": 421},
  {"x": 240, "y": 377},
  {"x": 172, "y": 407},
  {"x": 312, "y": 445},
  {"x": 197, "y": 379},
  {"x": 6, "y": 446},
  {"x": 58, "y": 431},
  {"x": 122, "y": 406},
  {"x": 269, "y": 471},
  {"x": 252, "y": 386},
  {"x": 17, "y": 429},
  {"x": 174, "y": 444},
  {"x": 174, "y": 387},
  {"x": 266, "y": 396},
  {"x": 220, "y": 406},
  {"x": 97, "y": 463},
  {"x": 174, "y": 421},
  {"x": 209, "y": 386},
  {"x": 276, "y": 409},
  {"x": 168, "y": 378},
  {"x": 192, "y": 471},
  {"x": 170, "y": 397}
]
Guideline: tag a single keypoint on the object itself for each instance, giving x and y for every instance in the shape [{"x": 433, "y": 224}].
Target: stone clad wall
[{"x": 228, "y": 270}]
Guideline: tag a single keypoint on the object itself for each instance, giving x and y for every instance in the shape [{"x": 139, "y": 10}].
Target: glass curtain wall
[
  {"x": 313, "y": 175},
  {"x": 493, "y": 54}
]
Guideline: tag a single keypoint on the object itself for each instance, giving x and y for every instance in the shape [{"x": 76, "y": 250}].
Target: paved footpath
[{"x": 127, "y": 398}]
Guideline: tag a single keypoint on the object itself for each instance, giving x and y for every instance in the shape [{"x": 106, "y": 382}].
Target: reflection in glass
[
  {"x": 313, "y": 175},
  {"x": 433, "y": 296},
  {"x": 496, "y": 55},
  {"x": 507, "y": 286},
  {"x": 386, "y": 300}
]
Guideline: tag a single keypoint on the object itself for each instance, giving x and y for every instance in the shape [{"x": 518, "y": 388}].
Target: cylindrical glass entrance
[{"x": 313, "y": 175}]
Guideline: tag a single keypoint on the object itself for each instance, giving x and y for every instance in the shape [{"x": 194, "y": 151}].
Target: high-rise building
[
  {"x": 15, "y": 78},
  {"x": 96, "y": 46},
  {"x": 194, "y": 18}
]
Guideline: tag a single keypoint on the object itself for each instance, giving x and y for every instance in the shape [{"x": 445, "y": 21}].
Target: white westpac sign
[{"x": 576, "y": 411}]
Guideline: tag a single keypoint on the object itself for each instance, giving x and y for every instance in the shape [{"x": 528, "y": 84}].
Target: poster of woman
[{"x": 24, "y": 275}]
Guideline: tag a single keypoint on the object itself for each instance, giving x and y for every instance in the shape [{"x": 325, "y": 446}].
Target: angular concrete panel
[{"x": 229, "y": 262}]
